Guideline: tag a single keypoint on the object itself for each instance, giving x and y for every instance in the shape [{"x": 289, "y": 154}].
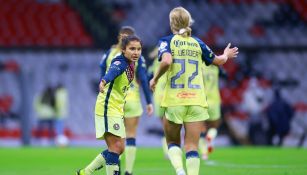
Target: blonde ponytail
[{"x": 180, "y": 21}]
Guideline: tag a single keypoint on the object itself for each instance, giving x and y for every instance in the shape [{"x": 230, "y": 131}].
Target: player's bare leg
[
  {"x": 212, "y": 133},
  {"x": 163, "y": 140},
  {"x": 172, "y": 134},
  {"x": 202, "y": 146},
  {"x": 131, "y": 125},
  {"x": 116, "y": 146},
  {"x": 191, "y": 140}
]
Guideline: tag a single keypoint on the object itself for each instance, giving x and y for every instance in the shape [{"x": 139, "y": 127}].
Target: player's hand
[
  {"x": 149, "y": 109},
  {"x": 102, "y": 85},
  {"x": 231, "y": 52},
  {"x": 152, "y": 84}
]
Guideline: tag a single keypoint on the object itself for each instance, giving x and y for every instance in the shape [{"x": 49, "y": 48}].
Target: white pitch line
[{"x": 233, "y": 165}]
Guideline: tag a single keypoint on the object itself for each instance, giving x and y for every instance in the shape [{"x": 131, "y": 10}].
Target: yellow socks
[
  {"x": 192, "y": 162},
  {"x": 175, "y": 156},
  {"x": 164, "y": 146},
  {"x": 212, "y": 132},
  {"x": 96, "y": 164},
  {"x": 130, "y": 154}
]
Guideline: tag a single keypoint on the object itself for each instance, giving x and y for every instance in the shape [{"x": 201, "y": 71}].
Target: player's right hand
[{"x": 231, "y": 52}]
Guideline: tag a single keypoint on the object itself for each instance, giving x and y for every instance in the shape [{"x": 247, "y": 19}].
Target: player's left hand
[
  {"x": 152, "y": 84},
  {"x": 149, "y": 109},
  {"x": 101, "y": 86}
]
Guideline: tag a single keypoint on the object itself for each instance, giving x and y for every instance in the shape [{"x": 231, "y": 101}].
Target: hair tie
[{"x": 182, "y": 31}]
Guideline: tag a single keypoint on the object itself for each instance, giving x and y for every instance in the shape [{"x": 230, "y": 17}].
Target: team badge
[
  {"x": 116, "y": 126},
  {"x": 117, "y": 63},
  {"x": 162, "y": 46}
]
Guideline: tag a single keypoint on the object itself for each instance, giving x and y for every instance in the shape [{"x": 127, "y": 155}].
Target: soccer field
[{"x": 150, "y": 161}]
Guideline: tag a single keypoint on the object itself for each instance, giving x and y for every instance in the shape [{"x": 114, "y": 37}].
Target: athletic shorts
[
  {"x": 185, "y": 114},
  {"x": 113, "y": 125},
  {"x": 214, "y": 112},
  {"x": 133, "y": 109},
  {"x": 160, "y": 111}
]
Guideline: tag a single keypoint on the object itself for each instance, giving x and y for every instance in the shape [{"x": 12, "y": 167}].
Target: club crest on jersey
[
  {"x": 162, "y": 46},
  {"x": 116, "y": 126},
  {"x": 117, "y": 63},
  {"x": 130, "y": 72}
]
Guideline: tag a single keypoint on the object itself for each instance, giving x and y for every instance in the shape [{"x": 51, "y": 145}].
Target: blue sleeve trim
[
  {"x": 207, "y": 54},
  {"x": 142, "y": 76},
  {"x": 103, "y": 63}
]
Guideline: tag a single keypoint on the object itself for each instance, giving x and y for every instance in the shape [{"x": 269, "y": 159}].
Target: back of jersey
[{"x": 184, "y": 78}]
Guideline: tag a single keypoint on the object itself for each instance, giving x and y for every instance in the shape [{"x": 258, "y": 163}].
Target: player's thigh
[
  {"x": 196, "y": 114},
  {"x": 131, "y": 125},
  {"x": 213, "y": 123},
  {"x": 192, "y": 134},
  {"x": 115, "y": 143},
  {"x": 133, "y": 109},
  {"x": 172, "y": 132},
  {"x": 113, "y": 125}
]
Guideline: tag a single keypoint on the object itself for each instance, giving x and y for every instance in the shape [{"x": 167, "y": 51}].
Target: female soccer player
[
  {"x": 211, "y": 83},
  {"x": 181, "y": 57},
  {"x": 133, "y": 107},
  {"x": 109, "y": 110}
]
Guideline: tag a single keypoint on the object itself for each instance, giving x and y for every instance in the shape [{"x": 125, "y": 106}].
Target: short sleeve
[
  {"x": 207, "y": 54},
  {"x": 164, "y": 46}
]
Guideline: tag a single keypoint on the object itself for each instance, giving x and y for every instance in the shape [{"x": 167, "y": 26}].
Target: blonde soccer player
[{"x": 184, "y": 97}]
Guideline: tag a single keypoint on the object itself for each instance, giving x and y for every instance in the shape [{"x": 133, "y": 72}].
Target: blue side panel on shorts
[{"x": 106, "y": 106}]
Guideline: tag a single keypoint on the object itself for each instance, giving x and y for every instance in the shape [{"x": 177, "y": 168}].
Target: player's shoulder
[
  {"x": 197, "y": 39},
  {"x": 120, "y": 60},
  {"x": 167, "y": 38}
]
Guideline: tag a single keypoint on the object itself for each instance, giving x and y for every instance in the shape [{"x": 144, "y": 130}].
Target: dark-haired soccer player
[
  {"x": 133, "y": 107},
  {"x": 109, "y": 110}
]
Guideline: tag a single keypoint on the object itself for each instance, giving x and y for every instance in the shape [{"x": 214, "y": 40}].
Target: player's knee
[
  {"x": 117, "y": 147},
  {"x": 190, "y": 147}
]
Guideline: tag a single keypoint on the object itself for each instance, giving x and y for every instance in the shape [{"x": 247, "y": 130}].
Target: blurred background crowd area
[{"x": 47, "y": 43}]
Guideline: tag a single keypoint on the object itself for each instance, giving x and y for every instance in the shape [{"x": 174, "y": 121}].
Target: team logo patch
[
  {"x": 162, "y": 45},
  {"x": 117, "y": 63},
  {"x": 116, "y": 126}
]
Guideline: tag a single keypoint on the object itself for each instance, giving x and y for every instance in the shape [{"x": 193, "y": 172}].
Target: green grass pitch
[{"x": 150, "y": 161}]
